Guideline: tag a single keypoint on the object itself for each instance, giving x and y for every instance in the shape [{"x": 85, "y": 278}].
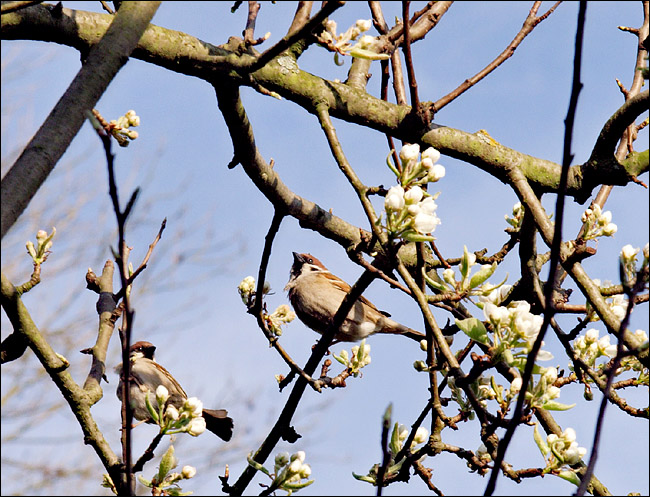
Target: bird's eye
[{"x": 310, "y": 260}]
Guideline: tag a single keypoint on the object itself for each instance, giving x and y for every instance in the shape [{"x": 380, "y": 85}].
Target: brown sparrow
[
  {"x": 316, "y": 295},
  {"x": 147, "y": 375}
]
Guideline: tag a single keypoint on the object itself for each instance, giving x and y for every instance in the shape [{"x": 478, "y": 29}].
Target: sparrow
[
  {"x": 146, "y": 375},
  {"x": 316, "y": 295}
]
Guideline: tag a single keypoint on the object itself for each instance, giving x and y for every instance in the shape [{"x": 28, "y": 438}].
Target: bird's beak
[{"x": 298, "y": 258}]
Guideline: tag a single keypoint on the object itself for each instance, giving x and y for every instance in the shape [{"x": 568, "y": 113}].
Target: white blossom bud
[
  {"x": 409, "y": 152},
  {"x": 432, "y": 154},
  {"x": 394, "y": 198},
  {"x": 436, "y": 173},
  {"x": 591, "y": 335},
  {"x": 421, "y": 435},
  {"x": 188, "y": 472},
  {"x": 196, "y": 426},
  {"x": 194, "y": 405},
  {"x": 363, "y": 24},
  {"x": 413, "y": 195},
  {"x": 162, "y": 394},
  {"x": 172, "y": 413},
  {"x": 628, "y": 253},
  {"x": 515, "y": 386},
  {"x": 610, "y": 229}
]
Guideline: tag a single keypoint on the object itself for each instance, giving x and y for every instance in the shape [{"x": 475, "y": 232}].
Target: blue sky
[{"x": 217, "y": 221}]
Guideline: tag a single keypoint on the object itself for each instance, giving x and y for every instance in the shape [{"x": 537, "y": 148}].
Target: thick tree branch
[{"x": 185, "y": 54}]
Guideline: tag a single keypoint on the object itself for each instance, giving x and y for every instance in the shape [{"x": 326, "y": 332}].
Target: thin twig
[
  {"x": 385, "y": 428},
  {"x": 294, "y": 36},
  {"x": 607, "y": 392},
  {"x": 555, "y": 252},
  {"x": 249, "y": 30},
  {"x": 258, "y": 307},
  {"x": 127, "y": 317},
  {"x": 529, "y": 24},
  {"x": 410, "y": 70}
]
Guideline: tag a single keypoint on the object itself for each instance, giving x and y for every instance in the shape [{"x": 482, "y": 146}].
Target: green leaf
[
  {"x": 365, "y": 478},
  {"x": 436, "y": 285},
  {"x": 413, "y": 236},
  {"x": 362, "y": 53},
  {"x": 541, "y": 443},
  {"x": 551, "y": 405},
  {"x": 570, "y": 476},
  {"x": 296, "y": 486},
  {"x": 482, "y": 274},
  {"x": 167, "y": 463},
  {"x": 464, "y": 263},
  {"x": 394, "y": 440},
  {"x": 474, "y": 329}
]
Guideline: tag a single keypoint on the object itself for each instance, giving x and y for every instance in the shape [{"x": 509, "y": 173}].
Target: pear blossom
[
  {"x": 195, "y": 406},
  {"x": 436, "y": 173},
  {"x": 196, "y": 426},
  {"x": 394, "y": 198},
  {"x": 188, "y": 472},
  {"x": 413, "y": 195},
  {"x": 431, "y": 154},
  {"x": 409, "y": 152},
  {"x": 162, "y": 394}
]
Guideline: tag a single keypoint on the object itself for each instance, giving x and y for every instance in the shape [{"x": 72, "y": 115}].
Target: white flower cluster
[
  {"x": 559, "y": 451},
  {"x": 189, "y": 419},
  {"x": 342, "y": 42},
  {"x": 360, "y": 358},
  {"x": 515, "y": 327},
  {"x": 120, "y": 128},
  {"x": 589, "y": 347},
  {"x": 617, "y": 303},
  {"x": 396, "y": 443},
  {"x": 165, "y": 482},
  {"x": 43, "y": 245},
  {"x": 543, "y": 393},
  {"x": 246, "y": 290},
  {"x": 409, "y": 214},
  {"x": 488, "y": 389},
  {"x": 597, "y": 223},
  {"x": 628, "y": 262},
  {"x": 400, "y": 434},
  {"x": 493, "y": 294},
  {"x": 517, "y": 217},
  {"x": 290, "y": 471},
  {"x": 411, "y": 211},
  {"x": 418, "y": 172},
  {"x": 274, "y": 321},
  {"x": 467, "y": 261},
  {"x": 282, "y": 315}
]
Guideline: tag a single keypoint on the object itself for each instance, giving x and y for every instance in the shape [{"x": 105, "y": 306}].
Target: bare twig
[
  {"x": 607, "y": 392},
  {"x": 385, "y": 428},
  {"x": 529, "y": 24},
  {"x": 301, "y": 16},
  {"x": 555, "y": 252},
  {"x": 410, "y": 70},
  {"x": 258, "y": 307},
  {"x": 249, "y": 30}
]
